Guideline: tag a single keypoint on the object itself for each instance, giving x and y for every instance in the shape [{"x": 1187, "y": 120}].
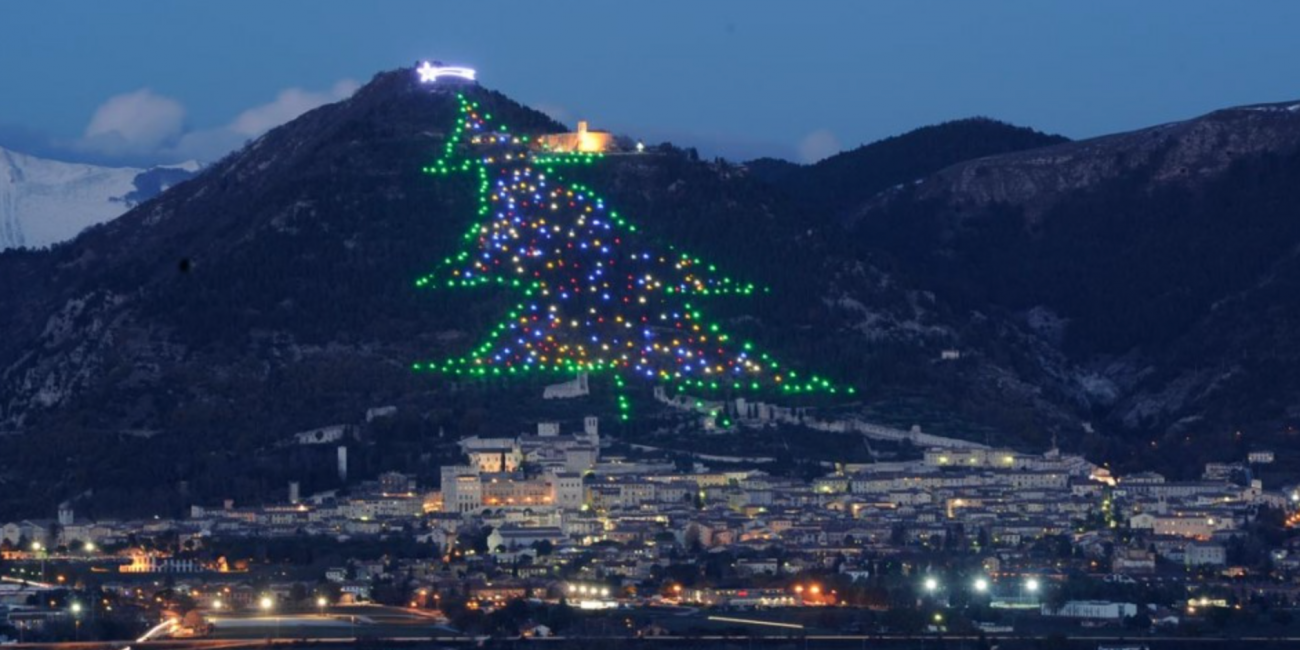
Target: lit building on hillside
[{"x": 584, "y": 140}]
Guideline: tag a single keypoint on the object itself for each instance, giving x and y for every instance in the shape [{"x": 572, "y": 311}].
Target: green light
[{"x": 560, "y": 351}]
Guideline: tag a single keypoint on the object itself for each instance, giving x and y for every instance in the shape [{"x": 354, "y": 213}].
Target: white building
[
  {"x": 1092, "y": 609},
  {"x": 1205, "y": 555},
  {"x": 577, "y": 387}
]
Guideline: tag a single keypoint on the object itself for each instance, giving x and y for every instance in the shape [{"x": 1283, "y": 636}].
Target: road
[{"x": 823, "y": 641}]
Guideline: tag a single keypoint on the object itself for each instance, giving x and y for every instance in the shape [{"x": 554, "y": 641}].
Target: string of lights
[{"x": 596, "y": 296}]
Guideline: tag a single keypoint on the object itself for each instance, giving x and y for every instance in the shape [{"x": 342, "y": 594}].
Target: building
[
  {"x": 153, "y": 563},
  {"x": 510, "y": 537},
  {"x": 1260, "y": 457},
  {"x": 1205, "y": 555},
  {"x": 321, "y": 436},
  {"x": 27, "y": 530},
  {"x": 577, "y": 387},
  {"x": 584, "y": 140},
  {"x": 1092, "y": 609},
  {"x": 1133, "y": 560}
]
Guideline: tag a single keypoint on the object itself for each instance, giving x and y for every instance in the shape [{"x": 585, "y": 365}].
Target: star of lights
[
  {"x": 596, "y": 294},
  {"x": 430, "y": 73}
]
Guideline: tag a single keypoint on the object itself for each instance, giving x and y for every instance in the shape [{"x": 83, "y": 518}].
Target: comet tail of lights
[
  {"x": 431, "y": 72},
  {"x": 595, "y": 292},
  {"x": 750, "y": 621}
]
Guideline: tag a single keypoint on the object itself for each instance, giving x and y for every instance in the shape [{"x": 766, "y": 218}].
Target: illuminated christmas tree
[{"x": 596, "y": 295}]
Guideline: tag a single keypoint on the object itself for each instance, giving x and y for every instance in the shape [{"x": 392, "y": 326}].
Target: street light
[
  {"x": 1031, "y": 585},
  {"x": 321, "y": 602},
  {"x": 267, "y": 604},
  {"x": 217, "y": 604},
  {"x": 931, "y": 585},
  {"x": 76, "y": 616},
  {"x": 90, "y": 547},
  {"x": 37, "y": 547},
  {"x": 981, "y": 585}
]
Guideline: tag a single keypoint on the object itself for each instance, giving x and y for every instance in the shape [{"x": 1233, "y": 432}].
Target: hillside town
[{"x": 550, "y": 516}]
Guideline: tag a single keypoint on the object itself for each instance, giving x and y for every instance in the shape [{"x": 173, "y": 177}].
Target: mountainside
[
  {"x": 44, "y": 202},
  {"x": 1145, "y": 272},
  {"x": 847, "y": 179},
  {"x": 1138, "y": 283}
]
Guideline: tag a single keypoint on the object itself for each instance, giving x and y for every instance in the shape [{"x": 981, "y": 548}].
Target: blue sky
[{"x": 153, "y": 80}]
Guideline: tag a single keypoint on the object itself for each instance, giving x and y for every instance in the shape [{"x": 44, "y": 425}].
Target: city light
[
  {"x": 217, "y": 604},
  {"x": 981, "y": 585},
  {"x": 931, "y": 585},
  {"x": 76, "y": 608},
  {"x": 1031, "y": 585},
  {"x": 266, "y": 603}
]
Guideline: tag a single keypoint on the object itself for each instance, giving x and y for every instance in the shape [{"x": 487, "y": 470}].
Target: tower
[
  {"x": 66, "y": 517},
  {"x": 591, "y": 434},
  {"x": 293, "y": 492},
  {"x": 343, "y": 463}
]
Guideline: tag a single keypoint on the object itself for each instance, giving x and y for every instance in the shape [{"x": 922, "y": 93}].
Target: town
[{"x": 537, "y": 533}]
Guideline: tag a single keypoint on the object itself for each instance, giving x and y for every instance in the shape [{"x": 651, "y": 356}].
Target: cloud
[
  {"x": 289, "y": 104},
  {"x": 134, "y": 123},
  {"x": 818, "y": 145},
  {"x": 142, "y": 127}
]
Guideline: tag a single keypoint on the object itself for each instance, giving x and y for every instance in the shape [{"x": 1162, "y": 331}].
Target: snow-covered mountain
[{"x": 44, "y": 202}]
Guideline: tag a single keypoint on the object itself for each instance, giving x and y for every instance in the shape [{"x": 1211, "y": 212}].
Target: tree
[
  {"x": 598, "y": 295},
  {"x": 692, "y": 539}
]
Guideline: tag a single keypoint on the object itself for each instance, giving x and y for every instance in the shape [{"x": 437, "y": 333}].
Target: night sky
[{"x": 153, "y": 81}]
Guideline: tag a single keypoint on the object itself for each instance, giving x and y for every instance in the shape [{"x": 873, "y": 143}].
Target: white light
[
  {"x": 750, "y": 621},
  {"x": 1031, "y": 585},
  {"x": 267, "y": 603},
  {"x": 981, "y": 585},
  {"x": 931, "y": 584},
  {"x": 76, "y": 608},
  {"x": 430, "y": 73}
]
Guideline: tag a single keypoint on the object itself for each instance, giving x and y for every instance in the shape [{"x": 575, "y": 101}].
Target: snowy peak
[{"x": 44, "y": 202}]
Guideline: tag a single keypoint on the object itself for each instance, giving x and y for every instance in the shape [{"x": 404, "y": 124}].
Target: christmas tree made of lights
[{"x": 596, "y": 295}]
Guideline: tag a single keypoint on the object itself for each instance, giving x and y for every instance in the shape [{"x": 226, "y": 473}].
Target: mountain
[
  {"x": 1141, "y": 277},
  {"x": 851, "y": 177},
  {"x": 44, "y": 202},
  {"x": 1111, "y": 293}
]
